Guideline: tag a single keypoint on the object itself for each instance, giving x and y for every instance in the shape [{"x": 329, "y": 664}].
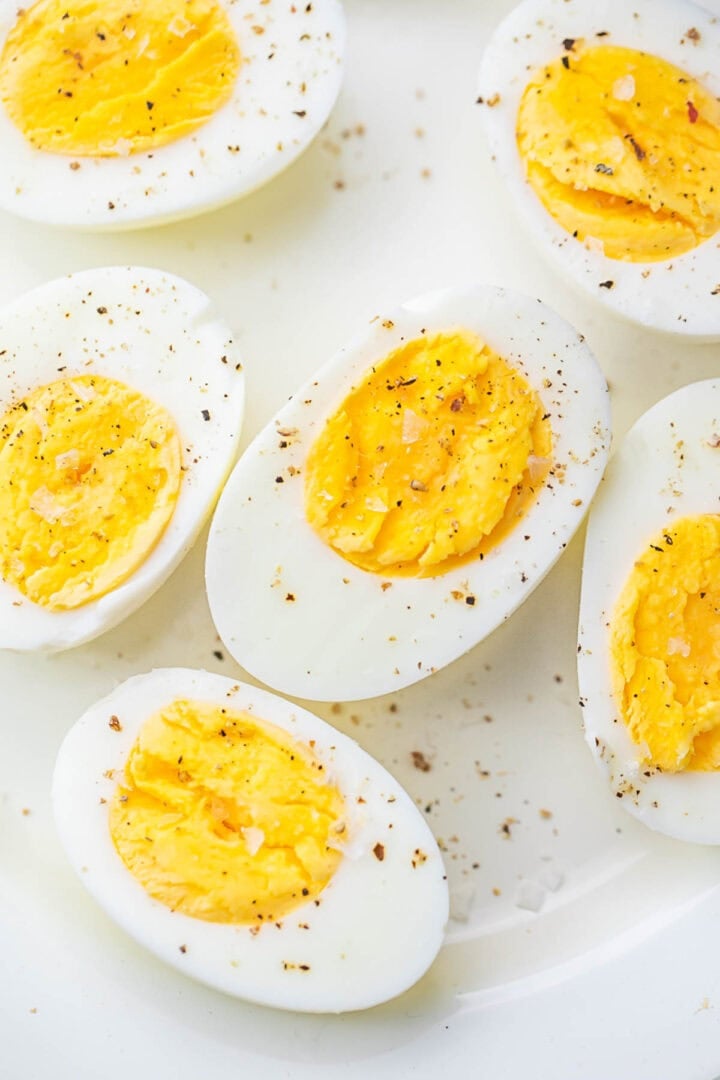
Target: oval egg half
[
  {"x": 121, "y": 397},
  {"x": 649, "y": 643},
  {"x": 299, "y": 613},
  {"x": 348, "y": 940},
  {"x": 616, "y": 109},
  {"x": 120, "y": 115}
]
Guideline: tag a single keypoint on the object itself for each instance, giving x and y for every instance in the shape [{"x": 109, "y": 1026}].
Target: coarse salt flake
[{"x": 624, "y": 88}]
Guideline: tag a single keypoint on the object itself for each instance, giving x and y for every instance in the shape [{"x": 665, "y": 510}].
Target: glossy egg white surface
[
  {"x": 307, "y": 622},
  {"x": 288, "y": 81},
  {"x": 666, "y": 468},
  {"x": 678, "y": 296},
  {"x": 379, "y": 922},
  {"x": 161, "y": 336}
]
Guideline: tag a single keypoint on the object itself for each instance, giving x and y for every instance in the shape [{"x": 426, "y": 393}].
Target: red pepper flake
[
  {"x": 420, "y": 761},
  {"x": 505, "y": 828},
  {"x": 290, "y": 597},
  {"x": 102, "y": 311},
  {"x": 692, "y": 112},
  {"x": 568, "y": 44},
  {"x": 565, "y": 62},
  {"x": 379, "y": 852},
  {"x": 694, "y": 34},
  {"x": 609, "y": 284},
  {"x": 183, "y": 949},
  {"x": 114, "y": 723}
]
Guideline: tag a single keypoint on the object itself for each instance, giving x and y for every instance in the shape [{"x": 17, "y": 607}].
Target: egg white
[
  {"x": 289, "y": 79},
  {"x": 161, "y": 336},
  {"x": 378, "y": 924},
  {"x": 679, "y": 296},
  {"x": 301, "y": 618},
  {"x": 666, "y": 468}
]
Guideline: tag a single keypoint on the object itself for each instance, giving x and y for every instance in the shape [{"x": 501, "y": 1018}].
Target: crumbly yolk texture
[
  {"x": 622, "y": 149},
  {"x": 90, "y": 472},
  {"x": 225, "y": 817},
  {"x": 665, "y": 647},
  {"x": 430, "y": 461},
  {"x": 98, "y": 79}
]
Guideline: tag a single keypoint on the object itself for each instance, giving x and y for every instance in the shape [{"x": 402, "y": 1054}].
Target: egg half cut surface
[
  {"x": 248, "y": 844},
  {"x": 604, "y": 122},
  {"x": 649, "y": 652},
  {"x": 409, "y": 497},
  {"x": 121, "y": 399},
  {"x": 117, "y": 115}
]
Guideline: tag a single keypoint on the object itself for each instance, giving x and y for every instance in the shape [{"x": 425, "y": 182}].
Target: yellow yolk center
[
  {"x": 622, "y": 149},
  {"x": 95, "y": 79},
  {"x": 431, "y": 460},
  {"x": 665, "y": 647},
  {"x": 224, "y": 817},
  {"x": 89, "y": 476}
]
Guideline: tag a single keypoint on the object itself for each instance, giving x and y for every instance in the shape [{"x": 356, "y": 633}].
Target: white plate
[{"x": 618, "y": 972}]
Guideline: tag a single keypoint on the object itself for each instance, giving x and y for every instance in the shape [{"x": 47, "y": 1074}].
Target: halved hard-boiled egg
[
  {"x": 249, "y": 844},
  {"x": 604, "y": 121},
  {"x": 649, "y": 653},
  {"x": 409, "y": 497},
  {"x": 121, "y": 399},
  {"x": 116, "y": 115}
]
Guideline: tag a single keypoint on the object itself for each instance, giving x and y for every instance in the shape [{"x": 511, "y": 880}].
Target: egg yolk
[
  {"x": 622, "y": 149},
  {"x": 225, "y": 817},
  {"x": 665, "y": 647},
  {"x": 86, "y": 78},
  {"x": 430, "y": 461},
  {"x": 89, "y": 477}
]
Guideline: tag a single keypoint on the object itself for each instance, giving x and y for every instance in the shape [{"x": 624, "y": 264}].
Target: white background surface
[{"x": 618, "y": 973}]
